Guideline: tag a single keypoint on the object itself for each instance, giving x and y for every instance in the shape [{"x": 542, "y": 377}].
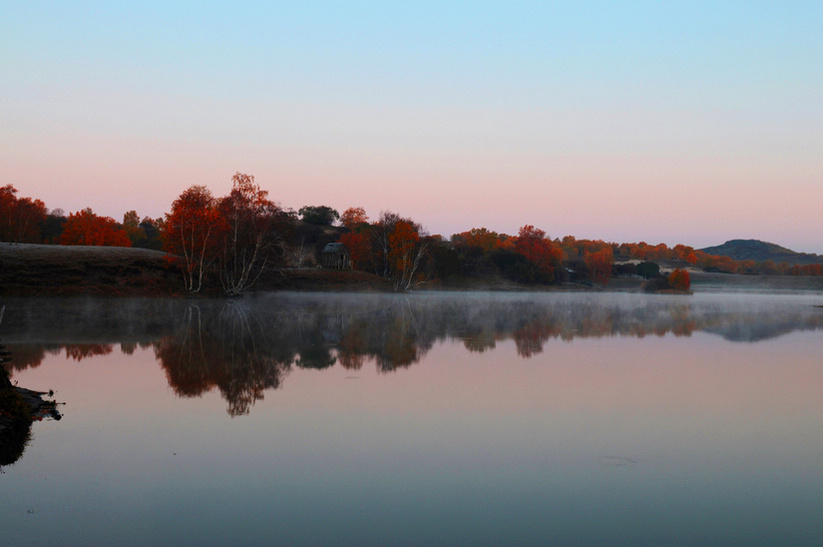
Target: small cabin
[{"x": 335, "y": 256}]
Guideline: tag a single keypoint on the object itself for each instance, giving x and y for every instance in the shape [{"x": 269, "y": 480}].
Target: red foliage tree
[
  {"x": 251, "y": 233},
  {"x": 403, "y": 256},
  {"x": 86, "y": 228},
  {"x": 532, "y": 243},
  {"x": 680, "y": 280},
  {"x": 358, "y": 239},
  {"x": 20, "y": 218},
  {"x": 190, "y": 234},
  {"x": 359, "y": 245},
  {"x": 600, "y": 264},
  {"x": 240, "y": 233},
  {"x": 397, "y": 250}
]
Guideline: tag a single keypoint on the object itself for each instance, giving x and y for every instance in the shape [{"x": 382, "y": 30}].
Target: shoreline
[{"x": 30, "y": 270}]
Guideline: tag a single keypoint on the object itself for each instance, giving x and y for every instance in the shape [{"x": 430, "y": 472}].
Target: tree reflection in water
[
  {"x": 246, "y": 347},
  {"x": 229, "y": 350}
]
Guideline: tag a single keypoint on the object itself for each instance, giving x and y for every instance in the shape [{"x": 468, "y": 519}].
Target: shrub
[{"x": 680, "y": 280}]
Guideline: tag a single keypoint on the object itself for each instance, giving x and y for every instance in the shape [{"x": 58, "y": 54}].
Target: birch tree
[
  {"x": 251, "y": 240},
  {"x": 190, "y": 235}
]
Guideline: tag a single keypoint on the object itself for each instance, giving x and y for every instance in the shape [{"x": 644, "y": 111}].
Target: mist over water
[
  {"x": 436, "y": 315},
  {"x": 429, "y": 418}
]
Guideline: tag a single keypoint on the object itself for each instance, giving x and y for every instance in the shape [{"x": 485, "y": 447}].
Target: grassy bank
[
  {"x": 57, "y": 270},
  {"x": 66, "y": 270}
]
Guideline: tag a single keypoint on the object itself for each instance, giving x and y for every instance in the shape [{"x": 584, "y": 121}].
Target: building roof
[{"x": 335, "y": 248}]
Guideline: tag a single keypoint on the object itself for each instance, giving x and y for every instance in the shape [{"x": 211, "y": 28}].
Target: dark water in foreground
[{"x": 426, "y": 419}]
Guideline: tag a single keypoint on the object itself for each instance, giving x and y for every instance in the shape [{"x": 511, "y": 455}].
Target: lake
[{"x": 421, "y": 419}]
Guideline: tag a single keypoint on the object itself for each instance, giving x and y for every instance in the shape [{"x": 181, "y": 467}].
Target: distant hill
[{"x": 761, "y": 251}]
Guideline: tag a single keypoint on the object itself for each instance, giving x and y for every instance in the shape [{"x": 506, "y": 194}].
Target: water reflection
[
  {"x": 243, "y": 348},
  {"x": 228, "y": 348}
]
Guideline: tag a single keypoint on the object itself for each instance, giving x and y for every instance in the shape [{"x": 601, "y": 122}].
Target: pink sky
[{"x": 669, "y": 125}]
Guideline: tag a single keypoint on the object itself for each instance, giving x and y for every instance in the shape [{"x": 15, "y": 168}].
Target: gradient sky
[{"x": 676, "y": 122}]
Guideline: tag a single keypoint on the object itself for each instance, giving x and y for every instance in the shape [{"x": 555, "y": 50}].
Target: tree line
[{"x": 232, "y": 240}]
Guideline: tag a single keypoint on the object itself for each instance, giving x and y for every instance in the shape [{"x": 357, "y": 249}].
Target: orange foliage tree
[
  {"x": 354, "y": 217},
  {"x": 599, "y": 264},
  {"x": 683, "y": 251},
  {"x": 86, "y": 228},
  {"x": 398, "y": 250},
  {"x": 481, "y": 238}
]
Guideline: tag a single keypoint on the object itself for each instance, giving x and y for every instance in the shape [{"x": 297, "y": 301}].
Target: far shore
[{"x": 59, "y": 270}]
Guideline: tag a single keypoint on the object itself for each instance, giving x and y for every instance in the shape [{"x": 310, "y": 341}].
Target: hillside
[
  {"x": 761, "y": 251},
  {"x": 68, "y": 270}
]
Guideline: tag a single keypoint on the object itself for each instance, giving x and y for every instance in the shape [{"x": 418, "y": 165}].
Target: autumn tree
[
  {"x": 354, "y": 217},
  {"x": 712, "y": 263},
  {"x": 405, "y": 254},
  {"x": 482, "y": 238},
  {"x": 682, "y": 251},
  {"x": 570, "y": 249},
  {"x": 680, "y": 280},
  {"x": 191, "y": 234},
  {"x": 21, "y": 219},
  {"x": 807, "y": 269},
  {"x": 398, "y": 250},
  {"x": 29, "y": 216},
  {"x": 86, "y": 228},
  {"x": 532, "y": 243},
  {"x": 252, "y": 239},
  {"x": 639, "y": 251},
  {"x": 358, "y": 238},
  {"x": 599, "y": 264}
]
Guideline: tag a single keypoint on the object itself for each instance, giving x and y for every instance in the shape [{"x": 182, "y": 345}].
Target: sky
[{"x": 674, "y": 122}]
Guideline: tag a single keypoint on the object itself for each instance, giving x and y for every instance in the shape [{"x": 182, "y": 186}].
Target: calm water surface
[{"x": 430, "y": 419}]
